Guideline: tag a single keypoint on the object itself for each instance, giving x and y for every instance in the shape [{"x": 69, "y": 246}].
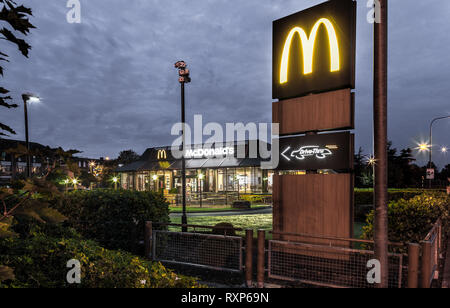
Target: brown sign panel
[
  {"x": 319, "y": 112},
  {"x": 314, "y": 152},
  {"x": 313, "y": 204},
  {"x": 314, "y": 50}
]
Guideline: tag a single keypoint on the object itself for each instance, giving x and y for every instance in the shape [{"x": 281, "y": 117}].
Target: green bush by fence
[
  {"x": 411, "y": 220},
  {"x": 115, "y": 219},
  {"x": 40, "y": 261},
  {"x": 364, "y": 199}
]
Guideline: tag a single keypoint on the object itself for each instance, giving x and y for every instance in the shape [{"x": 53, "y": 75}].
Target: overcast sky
[{"x": 109, "y": 84}]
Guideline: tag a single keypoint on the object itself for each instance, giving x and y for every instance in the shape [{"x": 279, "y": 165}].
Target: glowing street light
[
  {"x": 66, "y": 183},
  {"x": 371, "y": 161},
  {"x": 75, "y": 183},
  {"x": 115, "y": 181},
  {"x": 201, "y": 176},
  {"x": 444, "y": 150},
  {"x": 423, "y": 147},
  {"x": 28, "y": 98}
]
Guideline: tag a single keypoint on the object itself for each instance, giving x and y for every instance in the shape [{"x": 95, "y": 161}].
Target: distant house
[{"x": 14, "y": 165}]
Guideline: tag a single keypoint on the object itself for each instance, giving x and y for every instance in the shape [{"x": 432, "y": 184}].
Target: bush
[
  {"x": 365, "y": 196},
  {"x": 40, "y": 262},
  {"x": 364, "y": 199},
  {"x": 411, "y": 220},
  {"x": 115, "y": 219}
]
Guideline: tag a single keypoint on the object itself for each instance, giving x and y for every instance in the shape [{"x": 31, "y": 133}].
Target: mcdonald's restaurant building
[{"x": 209, "y": 169}]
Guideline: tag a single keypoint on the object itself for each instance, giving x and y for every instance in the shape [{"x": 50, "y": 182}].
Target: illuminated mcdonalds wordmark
[
  {"x": 308, "y": 49},
  {"x": 307, "y": 151},
  {"x": 208, "y": 153}
]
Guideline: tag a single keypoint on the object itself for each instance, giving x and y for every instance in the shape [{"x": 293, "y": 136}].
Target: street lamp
[
  {"x": 183, "y": 78},
  {"x": 66, "y": 182},
  {"x": 75, "y": 183},
  {"x": 444, "y": 150},
  {"x": 201, "y": 176},
  {"x": 28, "y": 98},
  {"x": 431, "y": 141},
  {"x": 115, "y": 181},
  {"x": 154, "y": 178}
]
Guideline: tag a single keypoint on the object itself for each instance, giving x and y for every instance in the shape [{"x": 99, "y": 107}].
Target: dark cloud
[{"x": 109, "y": 84}]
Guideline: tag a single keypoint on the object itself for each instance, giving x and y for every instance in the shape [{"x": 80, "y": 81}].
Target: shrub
[
  {"x": 411, "y": 220},
  {"x": 40, "y": 262},
  {"x": 115, "y": 219},
  {"x": 365, "y": 196},
  {"x": 364, "y": 199}
]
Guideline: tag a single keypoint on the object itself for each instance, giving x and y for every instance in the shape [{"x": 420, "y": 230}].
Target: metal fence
[
  {"x": 431, "y": 254},
  {"x": 327, "y": 266},
  {"x": 216, "y": 252}
]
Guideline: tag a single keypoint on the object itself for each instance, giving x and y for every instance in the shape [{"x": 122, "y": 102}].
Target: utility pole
[
  {"x": 183, "y": 79},
  {"x": 380, "y": 140}
]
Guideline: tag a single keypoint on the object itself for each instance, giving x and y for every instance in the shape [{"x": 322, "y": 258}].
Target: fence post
[
  {"x": 249, "y": 257},
  {"x": 413, "y": 265},
  {"x": 426, "y": 265},
  {"x": 261, "y": 258},
  {"x": 148, "y": 234}
]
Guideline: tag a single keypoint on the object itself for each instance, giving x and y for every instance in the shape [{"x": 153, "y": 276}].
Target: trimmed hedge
[
  {"x": 411, "y": 220},
  {"x": 115, "y": 219},
  {"x": 40, "y": 261},
  {"x": 364, "y": 199}
]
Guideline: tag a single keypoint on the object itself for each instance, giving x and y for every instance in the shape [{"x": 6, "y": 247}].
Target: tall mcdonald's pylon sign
[{"x": 314, "y": 50}]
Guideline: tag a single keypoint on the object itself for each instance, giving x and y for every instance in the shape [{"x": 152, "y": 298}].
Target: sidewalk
[{"x": 446, "y": 274}]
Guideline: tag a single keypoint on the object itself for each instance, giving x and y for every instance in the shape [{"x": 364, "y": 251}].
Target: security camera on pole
[{"x": 184, "y": 78}]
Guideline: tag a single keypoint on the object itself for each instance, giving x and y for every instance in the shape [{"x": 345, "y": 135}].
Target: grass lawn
[
  {"x": 255, "y": 222},
  {"x": 174, "y": 209}
]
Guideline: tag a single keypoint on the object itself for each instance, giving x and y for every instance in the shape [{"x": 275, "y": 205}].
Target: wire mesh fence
[
  {"x": 217, "y": 252},
  {"x": 328, "y": 266},
  {"x": 432, "y": 250}
]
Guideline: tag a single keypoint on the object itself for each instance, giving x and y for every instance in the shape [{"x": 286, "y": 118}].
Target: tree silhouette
[{"x": 15, "y": 20}]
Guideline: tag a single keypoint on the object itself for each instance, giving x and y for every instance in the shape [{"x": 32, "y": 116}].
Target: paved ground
[
  {"x": 446, "y": 274},
  {"x": 267, "y": 210}
]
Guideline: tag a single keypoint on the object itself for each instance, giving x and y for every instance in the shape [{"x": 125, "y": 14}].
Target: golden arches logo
[
  {"x": 162, "y": 154},
  {"x": 308, "y": 49}
]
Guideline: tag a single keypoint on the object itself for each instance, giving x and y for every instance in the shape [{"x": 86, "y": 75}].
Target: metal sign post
[{"x": 380, "y": 142}]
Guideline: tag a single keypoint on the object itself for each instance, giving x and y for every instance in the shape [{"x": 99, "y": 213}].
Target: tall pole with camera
[{"x": 183, "y": 78}]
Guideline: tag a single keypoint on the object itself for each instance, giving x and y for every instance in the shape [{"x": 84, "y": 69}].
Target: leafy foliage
[
  {"x": 411, "y": 220},
  {"x": 15, "y": 17},
  {"x": 115, "y": 219},
  {"x": 40, "y": 262}
]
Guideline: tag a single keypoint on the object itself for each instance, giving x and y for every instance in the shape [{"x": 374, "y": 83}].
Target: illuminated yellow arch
[{"x": 308, "y": 49}]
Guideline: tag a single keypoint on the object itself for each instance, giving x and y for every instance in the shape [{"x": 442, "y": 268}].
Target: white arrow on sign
[{"x": 284, "y": 154}]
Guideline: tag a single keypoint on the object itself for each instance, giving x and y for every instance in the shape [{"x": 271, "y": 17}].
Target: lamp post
[
  {"x": 75, "y": 183},
  {"x": 115, "y": 180},
  {"x": 154, "y": 178},
  {"x": 28, "y": 97},
  {"x": 184, "y": 78},
  {"x": 201, "y": 176},
  {"x": 430, "y": 163}
]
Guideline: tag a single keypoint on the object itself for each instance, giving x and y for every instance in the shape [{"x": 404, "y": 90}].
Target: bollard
[
  {"x": 249, "y": 257},
  {"x": 261, "y": 258},
  {"x": 413, "y": 265},
  {"x": 426, "y": 265},
  {"x": 148, "y": 236}
]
